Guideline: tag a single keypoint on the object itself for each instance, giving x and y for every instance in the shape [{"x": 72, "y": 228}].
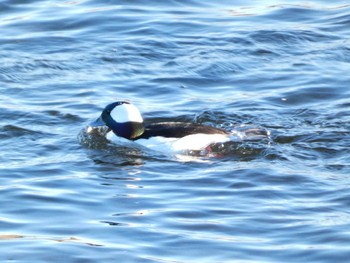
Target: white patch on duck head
[{"x": 126, "y": 113}]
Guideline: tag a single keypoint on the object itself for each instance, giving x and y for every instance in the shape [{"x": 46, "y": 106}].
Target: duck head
[{"x": 123, "y": 118}]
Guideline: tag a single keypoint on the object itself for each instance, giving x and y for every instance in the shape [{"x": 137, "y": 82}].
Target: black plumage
[{"x": 177, "y": 130}]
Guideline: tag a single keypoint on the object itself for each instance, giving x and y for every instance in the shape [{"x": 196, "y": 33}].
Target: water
[{"x": 280, "y": 65}]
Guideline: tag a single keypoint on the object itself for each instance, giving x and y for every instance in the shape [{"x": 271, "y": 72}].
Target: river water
[{"x": 280, "y": 65}]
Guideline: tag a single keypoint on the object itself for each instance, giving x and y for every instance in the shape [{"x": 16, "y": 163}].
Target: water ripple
[{"x": 283, "y": 67}]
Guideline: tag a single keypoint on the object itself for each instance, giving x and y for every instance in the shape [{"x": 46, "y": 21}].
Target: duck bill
[
  {"x": 98, "y": 126},
  {"x": 97, "y": 123}
]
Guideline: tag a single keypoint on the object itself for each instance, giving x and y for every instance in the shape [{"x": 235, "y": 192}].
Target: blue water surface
[{"x": 280, "y": 65}]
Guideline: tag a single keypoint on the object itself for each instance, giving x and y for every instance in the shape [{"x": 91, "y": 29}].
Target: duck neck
[{"x": 128, "y": 130}]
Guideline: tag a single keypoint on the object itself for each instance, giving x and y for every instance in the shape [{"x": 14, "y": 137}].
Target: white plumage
[
  {"x": 193, "y": 142},
  {"x": 126, "y": 113}
]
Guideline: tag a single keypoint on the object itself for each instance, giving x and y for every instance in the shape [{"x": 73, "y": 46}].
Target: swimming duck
[{"x": 125, "y": 123}]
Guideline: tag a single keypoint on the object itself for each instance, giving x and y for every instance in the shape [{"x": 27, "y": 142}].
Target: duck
[{"x": 124, "y": 124}]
